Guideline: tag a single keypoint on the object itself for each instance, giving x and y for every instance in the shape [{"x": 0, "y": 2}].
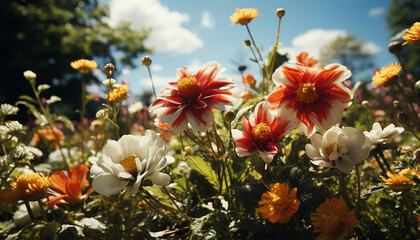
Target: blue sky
[{"x": 191, "y": 33}]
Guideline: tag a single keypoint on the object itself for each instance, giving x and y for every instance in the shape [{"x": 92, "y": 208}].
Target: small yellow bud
[
  {"x": 280, "y": 12},
  {"x": 365, "y": 103},
  {"x": 146, "y": 61},
  {"x": 109, "y": 69}
]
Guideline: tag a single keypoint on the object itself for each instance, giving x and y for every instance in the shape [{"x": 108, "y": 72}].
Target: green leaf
[
  {"x": 27, "y": 98},
  {"x": 203, "y": 168},
  {"x": 33, "y": 110}
]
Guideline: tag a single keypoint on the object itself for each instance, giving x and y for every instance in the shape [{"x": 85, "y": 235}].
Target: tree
[
  {"x": 400, "y": 16},
  {"x": 46, "y": 35},
  {"x": 349, "y": 52}
]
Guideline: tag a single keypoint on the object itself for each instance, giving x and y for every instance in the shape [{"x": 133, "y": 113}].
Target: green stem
[
  {"x": 151, "y": 80},
  {"x": 413, "y": 110},
  {"x": 176, "y": 205},
  {"x": 359, "y": 190},
  {"x": 28, "y": 208},
  {"x": 380, "y": 164},
  {"x": 276, "y": 47},
  {"x": 44, "y": 214},
  {"x": 82, "y": 117},
  {"x": 196, "y": 142},
  {"x": 343, "y": 186}
]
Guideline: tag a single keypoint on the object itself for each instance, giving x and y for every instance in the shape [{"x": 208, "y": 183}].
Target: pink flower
[
  {"x": 192, "y": 97},
  {"x": 262, "y": 133},
  {"x": 316, "y": 96}
]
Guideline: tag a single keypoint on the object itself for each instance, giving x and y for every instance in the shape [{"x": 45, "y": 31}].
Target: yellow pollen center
[
  {"x": 129, "y": 163},
  {"x": 306, "y": 92},
  {"x": 261, "y": 133},
  {"x": 189, "y": 88},
  {"x": 330, "y": 148}
]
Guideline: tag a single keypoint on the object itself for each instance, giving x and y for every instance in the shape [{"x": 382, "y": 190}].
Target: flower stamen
[
  {"x": 129, "y": 163},
  {"x": 261, "y": 133},
  {"x": 189, "y": 88},
  {"x": 307, "y": 93}
]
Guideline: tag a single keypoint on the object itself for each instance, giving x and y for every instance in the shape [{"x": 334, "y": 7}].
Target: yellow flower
[
  {"x": 278, "y": 205},
  {"x": 244, "y": 16},
  {"x": 30, "y": 186},
  {"x": 412, "y": 36},
  {"x": 333, "y": 220},
  {"x": 398, "y": 181},
  {"x": 119, "y": 94},
  {"x": 84, "y": 66},
  {"x": 387, "y": 75}
]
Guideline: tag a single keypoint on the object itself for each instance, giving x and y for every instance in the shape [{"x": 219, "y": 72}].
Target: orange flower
[
  {"x": 387, "y": 75},
  {"x": 333, "y": 220},
  {"x": 84, "y": 66},
  {"x": 412, "y": 36},
  {"x": 66, "y": 186},
  {"x": 303, "y": 58},
  {"x": 118, "y": 94},
  {"x": 30, "y": 186},
  {"x": 248, "y": 96},
  {"x": 244, "y": 16},
  {"x": 278, "y": 205},
  {"x": 398, "y": 181},
  {"x": 249, "y": 79},
  {"x": 48, "y": 134}
]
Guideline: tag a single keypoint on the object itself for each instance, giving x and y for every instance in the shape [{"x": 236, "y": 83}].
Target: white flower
[
  {"x": 14, "y": 127},
  {"x": 29, "y": 75},
  {"x": 109, "y": 82},
  {"x": 101, "y": 114},
  {"x": 340, "y": 148},
  {"x": 23, "y": 153},
  {"x": 7, "y": 109},
  {"x": 91, "y": 223},
  {"x": 136, "y": 107},
  {"x": 53, "y": 99},
  {"x": 378, "y": 135},
  {"x": 43, "y": 87},
  {"x": 127, "y": 162}
]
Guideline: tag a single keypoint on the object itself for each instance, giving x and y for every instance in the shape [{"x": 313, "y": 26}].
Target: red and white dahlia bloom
[
  {"x": 262, "y": 133},
  {"x": 317, "y": 96},
  {"x": 192, "y": 97}
]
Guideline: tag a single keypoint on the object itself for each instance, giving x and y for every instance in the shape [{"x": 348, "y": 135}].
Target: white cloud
[
  {"x": 167, "y": 33},
  {"x": 156, "y": 67},
  {"x": 313, "y": 40},
  {"x": 376, "y": 11},
  {"x": 207, "y": 20},
  {"x": 126, "y": 71}
]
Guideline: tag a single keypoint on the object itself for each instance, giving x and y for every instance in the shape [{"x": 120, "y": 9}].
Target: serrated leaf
[{"x": 203, "y": 168}]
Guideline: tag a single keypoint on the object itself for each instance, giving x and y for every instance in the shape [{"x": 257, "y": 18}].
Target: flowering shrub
[{"x": 299, "y": 153}]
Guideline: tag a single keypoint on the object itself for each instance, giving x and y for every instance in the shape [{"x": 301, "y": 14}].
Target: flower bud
[
  {"x": 242, "y": 68},
  {"x": 109, "y": 83},
  {"x": 146, "y": 61},
  {"x": 417, "y": 88},
  {"x": 187, "y": 150},
  {"x": 102, "y": 114},
  {"x": 30, "y": 76},
  {"x": 109, "y": 69},
  {"x": 365, "y": 103},
  {"x": 280, "y": 12},
  {"x": 247, "y": 43},
  {"x": 229, "y": 115},
  {"x": 395, "y": 47},
  {"x": 397, "y": 104}
]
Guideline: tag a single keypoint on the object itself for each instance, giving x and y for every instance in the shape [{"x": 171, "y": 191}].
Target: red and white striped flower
[
  {"x": 316, "y": 95},
  {"x": 192, "y": 97},
  {"x": 262, "y": 133}
]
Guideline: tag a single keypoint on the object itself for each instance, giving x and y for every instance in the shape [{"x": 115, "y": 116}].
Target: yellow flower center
[
  {"x": 189, "y": 88},
  {"x": 307, "y": 92},
  {"x": 261, "y": 133},
  {"x": 330, "y": 148},
  {"x": 129, "y": 163}
]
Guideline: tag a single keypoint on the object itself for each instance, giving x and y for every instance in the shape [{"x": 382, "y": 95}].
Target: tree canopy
[{"x": 46, "y": 35}]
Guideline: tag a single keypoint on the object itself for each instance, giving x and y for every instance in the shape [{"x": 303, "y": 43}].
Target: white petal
[
  {"x": 160, "y": 179},
  {"x": 344, "y": 166},
  {"x": 346, "y": 73},
  {"x": 108, "y": 184},
  {"x": 266, "y": 157},
  {"x": 113, "y": 150},
  {"x": 311, "y": 151},
  {"x": 242, "y": 153},
  {"x": 207, "y": 116}
]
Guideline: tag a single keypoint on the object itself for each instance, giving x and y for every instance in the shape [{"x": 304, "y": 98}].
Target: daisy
[
  {"x": 317, "y": 96},
  {"x": 387, "y": 75},
  {"x": 192, "y": 97},
  {"x": 412, "y": 36},
  {"x": 381, "y": 136},
  {"x": 84, "y": 66},
  {"x": 340, "y": 148},
  {"x": 128, "y": 162},
  {"x": 244, "y": 16},
  {"x": 261, "y": 133}
]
